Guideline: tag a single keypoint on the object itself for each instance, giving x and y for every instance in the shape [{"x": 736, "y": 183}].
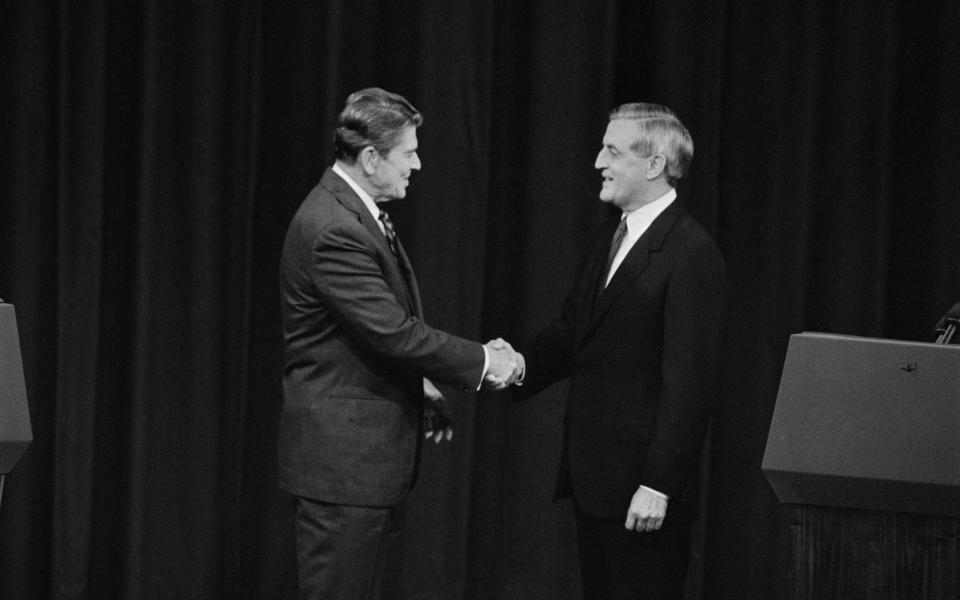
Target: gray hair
[
  {"x": 372, "y": 117},
  {"x": 659, "y": 131}
]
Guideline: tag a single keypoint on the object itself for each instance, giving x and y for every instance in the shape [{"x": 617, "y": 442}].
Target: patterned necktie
[
  {"x": 389, "y": 232},
  {"x": 618, "y": 236}
]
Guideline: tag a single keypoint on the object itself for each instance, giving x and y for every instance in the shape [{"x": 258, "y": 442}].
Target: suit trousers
[
  {"x": 617, "y": 564},
  {"x": 347, "y": 552}
]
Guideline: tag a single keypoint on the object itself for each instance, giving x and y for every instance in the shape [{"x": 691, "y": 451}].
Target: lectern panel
[
  {"x": 15, "y": 431},
  {"x": 867, "y": 423}
]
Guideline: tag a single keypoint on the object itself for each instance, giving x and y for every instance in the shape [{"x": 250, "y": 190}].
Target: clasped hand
[
  {"x": 647, "y": 511},
  {"x": 437, "y": 420},
  {"x": 506, "y": 365}
]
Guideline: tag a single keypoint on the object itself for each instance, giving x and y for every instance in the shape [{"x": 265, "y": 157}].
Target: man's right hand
[{"x": 506, "y": 365}]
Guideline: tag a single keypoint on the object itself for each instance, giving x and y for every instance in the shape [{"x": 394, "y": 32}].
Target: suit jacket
[
  {"x": 357, "y": 350},
  {"x": 642, "y": 356}
]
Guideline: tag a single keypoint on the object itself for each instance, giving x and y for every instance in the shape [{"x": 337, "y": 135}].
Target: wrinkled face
[
  {"x": 391, "y": 175},
  {"x": 624, "y": 171}
]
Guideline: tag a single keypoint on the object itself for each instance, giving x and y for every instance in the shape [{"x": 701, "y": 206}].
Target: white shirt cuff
[
  {"x": 655, "y": 492},
  {"x": 486, "y": 365}
]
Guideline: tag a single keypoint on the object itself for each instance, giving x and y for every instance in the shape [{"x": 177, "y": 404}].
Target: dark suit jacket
[
  {"x": 357, "y": 349},
  {"x": 642, "y": 358}
]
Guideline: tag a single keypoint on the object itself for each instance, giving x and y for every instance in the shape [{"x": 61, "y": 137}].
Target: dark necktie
[
  {"x": 614, "y": 246},
  {"x": 389, "y": 232}
]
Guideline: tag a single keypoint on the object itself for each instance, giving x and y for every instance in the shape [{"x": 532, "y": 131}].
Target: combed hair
[
  {"x": 372, "y": 117},
  {"x": 659, "y": 131}
]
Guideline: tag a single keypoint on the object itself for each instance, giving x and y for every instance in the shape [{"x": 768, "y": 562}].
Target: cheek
[{"x": 629, "y": 180}]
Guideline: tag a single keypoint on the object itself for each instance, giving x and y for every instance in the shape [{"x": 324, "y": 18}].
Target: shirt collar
[
  {"x": 638, "y": 220},
  {"x": 364, "y": 196}
]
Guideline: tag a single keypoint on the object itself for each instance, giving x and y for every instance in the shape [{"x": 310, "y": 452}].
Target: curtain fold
[{"x": 80, "y": 46}]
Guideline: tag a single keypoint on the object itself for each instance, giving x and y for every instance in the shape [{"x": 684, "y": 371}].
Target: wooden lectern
[
  {"x": 864, "y": 452},
  {"x": 15, "y": 431}
]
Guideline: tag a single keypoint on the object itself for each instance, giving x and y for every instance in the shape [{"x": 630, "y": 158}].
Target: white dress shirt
[{"x": 638, "y": 221}]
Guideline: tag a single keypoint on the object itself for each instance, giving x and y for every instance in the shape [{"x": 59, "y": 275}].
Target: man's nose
[{"x": 601, "y": 161}]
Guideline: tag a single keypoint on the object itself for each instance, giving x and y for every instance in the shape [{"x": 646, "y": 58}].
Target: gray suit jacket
[{"x": 357, "y": 350}]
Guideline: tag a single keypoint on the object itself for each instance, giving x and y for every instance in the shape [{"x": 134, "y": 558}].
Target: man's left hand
[
  {"x": 647, "y": 511},
  {"x": 438, "y": 423}
]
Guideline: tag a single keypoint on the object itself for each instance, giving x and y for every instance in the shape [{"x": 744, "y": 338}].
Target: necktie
[
  {"x": 618, "y": 236},
  {"x": 389, "y": 232}
]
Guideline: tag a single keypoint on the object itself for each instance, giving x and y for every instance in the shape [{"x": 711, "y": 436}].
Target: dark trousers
[
  {"x": 347, "y": 552},
  {"x": 617, "y": 564}
]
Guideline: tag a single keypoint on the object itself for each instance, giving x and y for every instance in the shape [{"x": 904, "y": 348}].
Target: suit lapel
[
  {"x": 407, "y": 292},
  {"x": 410, "y": 279},
  {"x": 349, "y": 199},
  {"x": 592, "y": 281},
  {"x": 635, "y": 263},
  {"x": 594, "y": 273}
]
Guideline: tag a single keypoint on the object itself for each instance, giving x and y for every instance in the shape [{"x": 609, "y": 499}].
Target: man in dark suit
[
  {"x": 360, "y": 358},
  {"x": 639, "y": 336}
]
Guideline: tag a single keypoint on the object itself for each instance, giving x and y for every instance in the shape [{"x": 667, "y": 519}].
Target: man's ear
[
  {"x": 655, "y": 166},
  {"x": 368, "y": 159}
]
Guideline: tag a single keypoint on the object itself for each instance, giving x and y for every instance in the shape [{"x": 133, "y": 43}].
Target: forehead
[{"x": 620, "y": 133}]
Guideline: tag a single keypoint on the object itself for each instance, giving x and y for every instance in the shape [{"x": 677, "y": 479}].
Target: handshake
[{"x": 506, "y": 365}]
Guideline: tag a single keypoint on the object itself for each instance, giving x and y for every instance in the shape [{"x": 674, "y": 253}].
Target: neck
[
  {"x": 359, "y": 176},
  {"x": 652, "y": 193}
]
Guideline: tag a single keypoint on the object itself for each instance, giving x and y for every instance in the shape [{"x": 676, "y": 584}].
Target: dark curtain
[{"x": 153, "y": 153}]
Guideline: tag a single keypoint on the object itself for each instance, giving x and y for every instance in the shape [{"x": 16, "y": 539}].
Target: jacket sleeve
[
  {"x": 350, "y": 281},
  {"x": 693, "y": 313},
  {"x": 549, "y": 355}
]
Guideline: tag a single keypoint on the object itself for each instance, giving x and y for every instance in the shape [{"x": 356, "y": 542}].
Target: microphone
[{"x": 946, "y": 327}]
